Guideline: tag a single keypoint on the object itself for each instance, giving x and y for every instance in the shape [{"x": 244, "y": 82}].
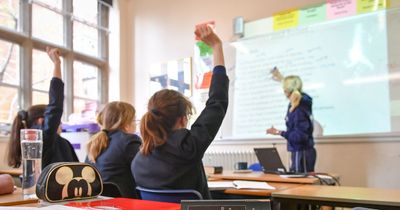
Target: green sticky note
[
  {"x": 364, "y": 6},
  {"x": 205, "y": 50},
  {"x": 313, "y": 15}
]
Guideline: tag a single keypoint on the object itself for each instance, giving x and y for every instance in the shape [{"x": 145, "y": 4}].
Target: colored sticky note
[
  {"x": 312, "y": 15},
  {"x": 364, "y": 6},
  {"x": 286, "y": 20},
  {"x": 340, "y": 8},
  {"x": 205, "y": 50}
]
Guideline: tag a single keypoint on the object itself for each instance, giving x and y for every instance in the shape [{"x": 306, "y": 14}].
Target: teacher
[{"x": 299, "y": 124}]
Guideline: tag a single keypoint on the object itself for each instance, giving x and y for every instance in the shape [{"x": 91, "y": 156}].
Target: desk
[
  {"x": 338, "y": 196},
  {"x": 16, "y": 198},
  {"x": 261, "y": 176}
]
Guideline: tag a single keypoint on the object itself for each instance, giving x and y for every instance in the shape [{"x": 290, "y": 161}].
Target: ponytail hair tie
[
  {"x": 23, "y": 115},
  {"x": 155, "y": 112},
  {"x": 105, "y": 131}
]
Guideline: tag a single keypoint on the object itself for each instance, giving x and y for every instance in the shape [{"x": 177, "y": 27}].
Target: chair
[
  {"x": 172, "y": 196},
  {"x": 111, "y": 190},
  {"x": 255, "y": 167}
]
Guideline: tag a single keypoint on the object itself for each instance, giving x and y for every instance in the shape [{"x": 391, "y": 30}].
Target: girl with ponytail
[
  {"x": 171, "y": 155},
  {"x": 113, "y": 148},
  {"x": 299, "y": 123},
  {"x": 47, "y": 118}
]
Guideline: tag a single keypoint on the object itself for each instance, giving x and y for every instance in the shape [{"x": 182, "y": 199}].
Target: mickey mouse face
[{"x": 74, "y": 187}]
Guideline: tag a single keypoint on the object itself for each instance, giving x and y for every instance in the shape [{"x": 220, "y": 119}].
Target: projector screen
[{"x": 349, "y": 66}]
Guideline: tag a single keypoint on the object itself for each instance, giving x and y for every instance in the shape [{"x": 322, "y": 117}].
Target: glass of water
[{"x": 31, "y": 152}]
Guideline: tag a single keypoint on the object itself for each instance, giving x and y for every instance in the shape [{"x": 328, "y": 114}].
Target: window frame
[{"x": 27, "y": 43}]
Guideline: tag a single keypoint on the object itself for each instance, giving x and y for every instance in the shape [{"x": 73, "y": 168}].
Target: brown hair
[
  {"x": 24, "y": 119},
  {"x": 163, "y": 110},
  {"x": 114, "y": 116}
]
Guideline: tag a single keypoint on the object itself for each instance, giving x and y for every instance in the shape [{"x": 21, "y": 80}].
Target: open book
[{"x": 238, "y": 184}]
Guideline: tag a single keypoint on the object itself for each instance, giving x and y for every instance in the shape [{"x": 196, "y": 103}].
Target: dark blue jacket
[
  {"x": 299, "y": 126},
  {"x": 114, "y": 163},
  {"x": 177, "y": 164},
  {"x": 55, "y": 147}
]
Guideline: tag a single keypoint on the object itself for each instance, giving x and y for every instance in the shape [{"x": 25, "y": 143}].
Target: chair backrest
[
  {"x": 172, "y": 196},
  {"x": 111, "y": 190}
]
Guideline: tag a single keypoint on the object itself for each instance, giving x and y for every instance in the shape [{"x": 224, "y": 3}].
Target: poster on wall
[
  {"x": 203, "y": 62},
  {"x": 174, "y": 74}
]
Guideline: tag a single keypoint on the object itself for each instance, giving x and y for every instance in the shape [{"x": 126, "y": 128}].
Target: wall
[{"x": 163, "y": 30}]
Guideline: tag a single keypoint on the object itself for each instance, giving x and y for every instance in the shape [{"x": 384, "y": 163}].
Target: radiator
[{"x": 227, "y": 159}]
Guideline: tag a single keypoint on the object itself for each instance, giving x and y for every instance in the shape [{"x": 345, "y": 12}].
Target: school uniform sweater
[
  {"x": 177, "y": 164},
  {"x": 114, "y": 163},
  {"x": 299, "y": 126},
  {"x": 55, "y": 148}
]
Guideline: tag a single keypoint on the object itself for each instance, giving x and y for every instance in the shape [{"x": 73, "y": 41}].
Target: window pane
[
  {"x": 47, "y": 25},
  {"x": 9, "y": 63},
  {"x": 42, "y": 70},
  {"x": 86, "y": 80},
  {"x": 40, "y": 98},
  {"x": 85, "y": 39},
  {"x": 8, "y": 104},
  {"x": 9, "y": 13},
  {"x": 86, "y": 10},
  {"x": 85, "y": 108}
]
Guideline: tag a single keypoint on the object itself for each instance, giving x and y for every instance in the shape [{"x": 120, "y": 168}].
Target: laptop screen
[{"x": 270, "y": 160}]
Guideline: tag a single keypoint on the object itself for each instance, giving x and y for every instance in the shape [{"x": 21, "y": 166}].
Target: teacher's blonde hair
[{"x": 293, "y": 85}]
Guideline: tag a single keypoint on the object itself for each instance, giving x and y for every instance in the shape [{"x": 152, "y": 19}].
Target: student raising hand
[{"x": 54, "y": 55}]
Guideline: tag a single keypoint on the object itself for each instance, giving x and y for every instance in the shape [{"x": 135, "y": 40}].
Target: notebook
[{"x": 271, "y": 162}]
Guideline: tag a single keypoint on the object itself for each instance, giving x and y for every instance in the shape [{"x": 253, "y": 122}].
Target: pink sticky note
[{"x": 340, "y": 8}]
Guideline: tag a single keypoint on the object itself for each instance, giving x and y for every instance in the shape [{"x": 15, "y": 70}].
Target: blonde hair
[
  {"x": 114, "y": 116},
  {"x": 293, "y": 85}
]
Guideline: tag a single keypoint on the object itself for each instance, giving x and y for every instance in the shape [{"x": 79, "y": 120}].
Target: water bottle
[{"x": 31, "y": 152}]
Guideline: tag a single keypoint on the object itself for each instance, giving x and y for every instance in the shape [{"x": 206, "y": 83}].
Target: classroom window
[
  {"x": 79, "y": 28},
  {"x": 47, "y": 24},
  {"x": 9, "y": 14},
  {"x": 85, "y": 39},
  {"x": 86, "y": 93},
  {"x": 9, "y": 80},
  {"x": 87, "y": 27}
]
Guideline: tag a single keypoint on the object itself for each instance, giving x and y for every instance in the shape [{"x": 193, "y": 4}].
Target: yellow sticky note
[
  {"x": 364, "y": 6},
  {"x": 284, "y": 20}
]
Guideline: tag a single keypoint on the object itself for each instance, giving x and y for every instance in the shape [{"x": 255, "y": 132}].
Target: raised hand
[
  {"x": 206, "y": 34},
  {"x": 54, "y": 55}
]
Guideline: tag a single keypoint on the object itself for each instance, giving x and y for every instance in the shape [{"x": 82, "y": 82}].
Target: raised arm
[
  {"x": 54, "y": 110},
  {"x": 54, "y": 55},
  {"x": 206, "y": 126}
]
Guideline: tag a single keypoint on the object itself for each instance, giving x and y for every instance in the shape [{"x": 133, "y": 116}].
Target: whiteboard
[{"x": 349, "y": 66}]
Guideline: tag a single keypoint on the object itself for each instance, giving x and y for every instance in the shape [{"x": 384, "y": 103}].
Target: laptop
[{"x": 271, "y": 162}]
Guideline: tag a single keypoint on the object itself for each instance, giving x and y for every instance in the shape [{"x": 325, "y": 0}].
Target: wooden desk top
[
  {"x": 12, "y": 172},
  {"x": 261, "y": 176},
  {"x": 16, "y": 198},
  {"x": 358, "y": 195},
  {"x": 266, "y": 193}
]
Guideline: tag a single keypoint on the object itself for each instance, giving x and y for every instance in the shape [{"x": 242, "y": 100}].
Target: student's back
[
  {"x": 171, "y": 155},
  {"x": 113, "y": 149}
]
